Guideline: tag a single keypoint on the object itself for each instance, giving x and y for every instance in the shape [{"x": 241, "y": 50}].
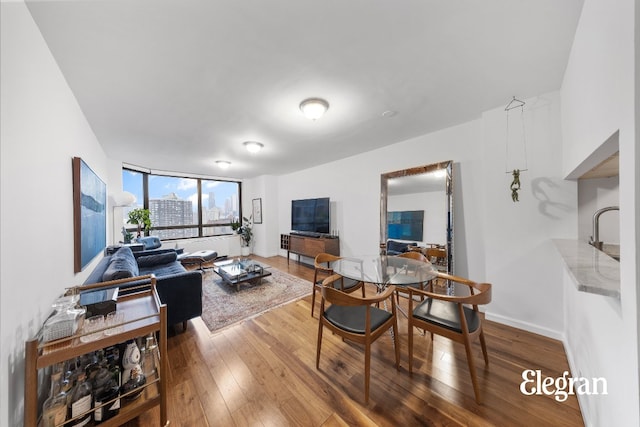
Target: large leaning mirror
[{"x": 416, "y": 212}]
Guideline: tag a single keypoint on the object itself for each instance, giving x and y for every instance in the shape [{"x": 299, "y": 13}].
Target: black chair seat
[
  {"x": 352, "y": 319},
  {"x": 445, "y": 314},
  {"x": 346, "y": 283}
]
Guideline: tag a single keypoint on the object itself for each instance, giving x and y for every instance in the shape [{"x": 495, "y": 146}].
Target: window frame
[{"x": 200, "y": 225}]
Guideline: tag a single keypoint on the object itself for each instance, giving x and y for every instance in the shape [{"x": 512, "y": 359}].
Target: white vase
[{"x": 245, "y": 251}]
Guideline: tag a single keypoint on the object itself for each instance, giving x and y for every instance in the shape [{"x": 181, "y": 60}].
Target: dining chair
[
  {"x": 418, "y": 257},
  {"x": 454, "y": 317},
  {"x": 322, "y": 270},
  {"x": 356, "y": 319}
]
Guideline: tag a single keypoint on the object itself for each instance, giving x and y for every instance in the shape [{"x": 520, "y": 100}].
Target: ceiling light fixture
[
  {"x": 253, "y": 146},
  {"x": 440, "y": 173},
  {"x": 314, "y": 108},
  {"x": 223, "y": 164}
]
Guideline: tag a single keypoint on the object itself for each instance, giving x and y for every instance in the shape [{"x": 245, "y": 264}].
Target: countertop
[{"x": 592, "y": 270}]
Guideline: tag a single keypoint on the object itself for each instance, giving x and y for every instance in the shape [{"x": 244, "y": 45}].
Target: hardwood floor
[{"x": 262, "y": 373}]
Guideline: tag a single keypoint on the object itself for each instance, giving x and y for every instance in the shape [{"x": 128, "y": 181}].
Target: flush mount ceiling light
[
  {"x": 314, "y": 108},
  {"x": 223, "y": 164},
  {"x": 440, "y": 173},
  {"x": 253, "y": 146}
]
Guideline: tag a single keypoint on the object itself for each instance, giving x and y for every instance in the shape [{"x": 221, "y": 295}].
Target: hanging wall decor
[{"x": 516, "y": 148}]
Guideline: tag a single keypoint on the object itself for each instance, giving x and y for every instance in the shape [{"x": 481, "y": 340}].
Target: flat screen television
[{"x": 310, "y": 215}]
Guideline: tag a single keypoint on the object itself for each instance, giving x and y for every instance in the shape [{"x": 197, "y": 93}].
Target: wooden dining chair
[
  {"x": 454, "y": 317},
  {"x": 322, "y": 270},
  {"x": 418, "y": 257},
  {"x": 357, "y": 319}
]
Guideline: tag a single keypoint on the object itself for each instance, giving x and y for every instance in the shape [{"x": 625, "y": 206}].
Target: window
[
  {"x": 220, "y": 206},
  {"x": 183, "y": 207}
]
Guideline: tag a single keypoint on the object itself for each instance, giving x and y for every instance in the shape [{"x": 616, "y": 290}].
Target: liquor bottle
[
  {"x": 79, "y": 402},
  {"x": 105, "y": 390},
  {"x": 136, "y": 381},
  {"x": 130, "y": 360},
  {"x": 113, "y": 360},
  {"x": 54, "y": 410},
  {"x": 148, "y": 357}
]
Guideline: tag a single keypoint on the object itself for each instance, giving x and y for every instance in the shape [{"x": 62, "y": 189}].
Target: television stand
[{"x": 308, "y": 246}]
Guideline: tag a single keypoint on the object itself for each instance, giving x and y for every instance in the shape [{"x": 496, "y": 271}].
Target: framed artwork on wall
[
  {"x": 405, "y": 225},
  {"x": 257, "y": 211},
  {"x": 89, "y": 214}
]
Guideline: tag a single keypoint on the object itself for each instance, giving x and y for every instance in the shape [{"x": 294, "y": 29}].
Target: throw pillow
[{"x": 157, "y": 259}]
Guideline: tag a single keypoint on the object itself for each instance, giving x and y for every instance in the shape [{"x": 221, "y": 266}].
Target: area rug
[{"x": 223, "y": 305}]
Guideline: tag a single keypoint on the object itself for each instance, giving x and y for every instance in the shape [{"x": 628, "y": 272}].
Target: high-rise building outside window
[{"x": 182, "y": 207}]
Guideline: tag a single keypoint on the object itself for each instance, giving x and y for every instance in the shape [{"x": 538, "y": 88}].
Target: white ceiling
[{"x": 176, "y": 84}]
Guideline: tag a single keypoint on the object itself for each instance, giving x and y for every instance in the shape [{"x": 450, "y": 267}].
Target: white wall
[
  {"x": 495, "y": 239},
  {"x": 266, "y": 235},
  {"x": 353, "y": 184},
  {"x": 42, "y": 129},
  {"x": 598, "y": 95},
  {"x": 434, "y": 205},
  {"x": 521, "y": 260}
]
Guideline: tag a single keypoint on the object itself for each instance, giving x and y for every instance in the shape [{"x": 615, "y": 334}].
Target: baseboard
[
  {"x": 575, "y": 372},
  {"x": 529, "y": 327}
]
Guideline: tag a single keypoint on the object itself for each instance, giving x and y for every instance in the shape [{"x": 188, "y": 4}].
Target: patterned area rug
[{"x": 223, "y": 305}]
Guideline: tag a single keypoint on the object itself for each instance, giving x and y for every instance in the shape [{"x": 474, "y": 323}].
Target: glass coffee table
[{"x": 237, "y": 272}]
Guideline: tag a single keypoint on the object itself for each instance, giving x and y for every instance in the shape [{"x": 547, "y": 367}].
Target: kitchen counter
[{"x": 592, "y": 270}]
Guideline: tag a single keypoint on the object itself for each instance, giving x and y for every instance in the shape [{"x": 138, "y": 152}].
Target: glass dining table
[{"x": 385, "y": 270}]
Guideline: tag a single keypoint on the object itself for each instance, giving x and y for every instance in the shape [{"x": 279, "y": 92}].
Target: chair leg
[
  {"x": 320, "y": 327},
  {"x": 396, "y": 342},
  {"x": 313, "y": 299},
  {"x": 410, "y": 346},
  {"x": 472, "y": 370},
  {"x": 367, "y": 370},
  {"x": 484, "y": 348}
]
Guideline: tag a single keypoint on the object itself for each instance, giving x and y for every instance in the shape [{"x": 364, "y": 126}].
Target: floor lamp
[{"x": 120, "y": 200}]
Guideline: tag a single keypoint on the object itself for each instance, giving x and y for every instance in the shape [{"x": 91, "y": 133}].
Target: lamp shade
[{"x": 123, "y": 198}]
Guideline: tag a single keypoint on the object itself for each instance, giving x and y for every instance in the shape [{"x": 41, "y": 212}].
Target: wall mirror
[{"x": 416, "y": 208}]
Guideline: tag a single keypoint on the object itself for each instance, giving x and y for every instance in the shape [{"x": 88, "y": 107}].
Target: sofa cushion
[
  {"x": 163, "y": 269},
  {"x": 121, "y": 266},
  {"x": 157, "y": 259}
]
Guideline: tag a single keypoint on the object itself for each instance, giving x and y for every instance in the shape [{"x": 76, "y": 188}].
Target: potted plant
[
  {"x": 245, "y": 230},
  {"x": 141, "y": 218}
]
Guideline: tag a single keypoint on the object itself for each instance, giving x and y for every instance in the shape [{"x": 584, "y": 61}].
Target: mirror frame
[{"x": 384, "y": 178}]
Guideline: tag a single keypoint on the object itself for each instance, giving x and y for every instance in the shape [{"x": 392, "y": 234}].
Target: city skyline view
[{"x": 173, "y": 201}]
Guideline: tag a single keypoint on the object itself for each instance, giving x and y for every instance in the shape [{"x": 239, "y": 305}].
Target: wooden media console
[{"x": 309, "y": 246}]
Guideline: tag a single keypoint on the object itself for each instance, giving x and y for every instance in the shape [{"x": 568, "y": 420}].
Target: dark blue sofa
[
  {"x": 397, "y": 248},
  {"x": 179, "y": 289}
]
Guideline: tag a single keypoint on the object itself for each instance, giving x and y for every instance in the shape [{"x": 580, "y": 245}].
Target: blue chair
[
  {"x": 149, "y": 242},
  {"x": 397, "y": 248}
]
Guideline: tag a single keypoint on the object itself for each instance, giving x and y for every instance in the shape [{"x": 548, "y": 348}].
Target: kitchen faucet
[{"x": 595, "y": 237}]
